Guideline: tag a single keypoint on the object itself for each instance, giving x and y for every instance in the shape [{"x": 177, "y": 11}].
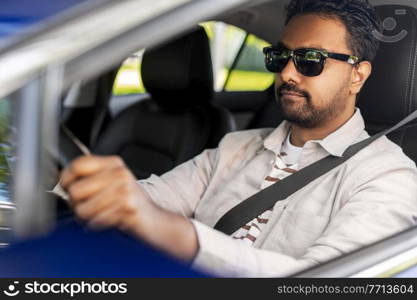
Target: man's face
[{"x": 314, "y": 101}]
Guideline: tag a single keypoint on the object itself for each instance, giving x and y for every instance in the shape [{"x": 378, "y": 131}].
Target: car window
[
  {"x": 225, "y": 42},
  {"x": 128, "y": 79},
  {"x": 5, "y": 149},
  {"x": 7, "y": 158},
  {"x": 248, "y": 72},
  {"x": 238, "y": 62}
]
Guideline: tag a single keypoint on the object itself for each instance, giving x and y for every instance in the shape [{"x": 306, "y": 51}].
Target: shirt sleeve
[
  {"x": 381, "y": 205},
  {"x": 180, "y": 189},
  {"x": 223, "y": 256}
]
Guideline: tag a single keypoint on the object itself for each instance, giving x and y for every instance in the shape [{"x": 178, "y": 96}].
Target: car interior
[
  {"x": 186, "y": 115},
  {"x": 187, "y": 104},
  {"x": 178, "y": 120}
]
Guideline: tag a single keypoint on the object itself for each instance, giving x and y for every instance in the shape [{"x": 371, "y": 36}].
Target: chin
[
  {"x": 300, "y": 119},
  {"x": 301, "y": 115}
]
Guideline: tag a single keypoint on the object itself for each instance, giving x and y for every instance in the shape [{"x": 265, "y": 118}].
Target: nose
[{"x": 290, "y": 73}]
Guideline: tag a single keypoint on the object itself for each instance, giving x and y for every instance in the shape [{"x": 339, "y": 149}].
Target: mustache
[{"x": 291, "y": 88}]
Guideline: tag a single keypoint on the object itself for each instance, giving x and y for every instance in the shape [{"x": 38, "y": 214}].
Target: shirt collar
[
  {"x": 338, "y": 141},
  {"x": 335, "y": 143},
  {"x": 275, "y": 139}
]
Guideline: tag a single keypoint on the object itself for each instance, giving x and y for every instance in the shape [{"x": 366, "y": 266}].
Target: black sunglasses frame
[{"x": 318, "y": 56}]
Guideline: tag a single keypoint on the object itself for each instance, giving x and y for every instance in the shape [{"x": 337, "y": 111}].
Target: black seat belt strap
[{"x": 258, "y": 203}]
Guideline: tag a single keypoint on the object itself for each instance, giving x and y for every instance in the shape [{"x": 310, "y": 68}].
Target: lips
[{"x": 292, "y": 94}]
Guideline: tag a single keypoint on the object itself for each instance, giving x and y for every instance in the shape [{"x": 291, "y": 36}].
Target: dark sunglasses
[{"x": 307, "y": 61}]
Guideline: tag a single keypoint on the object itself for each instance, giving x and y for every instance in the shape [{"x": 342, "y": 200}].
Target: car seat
[
  {"x": 390, "y": 94},
  {"x": 178, "y": 121},
  {"x": 88, "y": 115}
]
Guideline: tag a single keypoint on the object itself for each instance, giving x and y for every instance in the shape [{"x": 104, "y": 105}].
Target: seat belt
[{"x": 258, "y": 203}]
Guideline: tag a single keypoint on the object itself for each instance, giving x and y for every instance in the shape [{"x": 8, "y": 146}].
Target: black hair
[{"x": 358, "y": 16}]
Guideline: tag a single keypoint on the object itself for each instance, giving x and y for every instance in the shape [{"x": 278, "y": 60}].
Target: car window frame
[{"x": 357, "y": 262}]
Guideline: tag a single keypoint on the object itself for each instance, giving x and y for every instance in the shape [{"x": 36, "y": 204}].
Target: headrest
[
  {"x": 179, "y": 74},
  {"x": 390, "y": 94}
]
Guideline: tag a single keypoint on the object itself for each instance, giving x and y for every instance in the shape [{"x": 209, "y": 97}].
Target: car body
[{"x": 44, "y": 62}]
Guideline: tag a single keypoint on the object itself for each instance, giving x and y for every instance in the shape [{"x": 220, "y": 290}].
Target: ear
[{"x": 360, "y": 74}]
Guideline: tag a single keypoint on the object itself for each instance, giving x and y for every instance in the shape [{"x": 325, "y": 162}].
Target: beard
[{"x": 307, "y": 115}]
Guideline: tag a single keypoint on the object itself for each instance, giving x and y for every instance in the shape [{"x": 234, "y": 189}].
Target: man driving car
[{"x": 323, "y": 58}]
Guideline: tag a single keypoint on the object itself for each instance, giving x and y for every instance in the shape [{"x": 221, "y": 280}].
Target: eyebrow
[{"x": 307, "y": 47}]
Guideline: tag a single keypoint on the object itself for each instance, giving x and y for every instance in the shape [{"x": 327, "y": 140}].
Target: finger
[
  {"x": 106, "y": 219},
  {"x": 87, "y": 187},
  {"x": 103, "y": 200},
  {"x": 87, "y": 165},
  {"x": 120, "y": 195}
]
